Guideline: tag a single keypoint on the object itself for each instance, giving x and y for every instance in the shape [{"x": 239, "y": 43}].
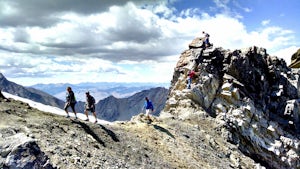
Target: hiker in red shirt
[{"x": 191, "y": 74}]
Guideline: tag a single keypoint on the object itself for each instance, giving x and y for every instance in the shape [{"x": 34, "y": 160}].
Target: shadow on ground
[
  {"x": 89, "y": 131},
  {"x": 110, "y": 133},
  {"x": 163, "y": 130}
]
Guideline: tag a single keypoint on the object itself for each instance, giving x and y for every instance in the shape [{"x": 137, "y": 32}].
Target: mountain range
[
  {"x": 100, "y": 90},
  {"x": 110, "y": 108},
  {"x": 28, "y": 92}
]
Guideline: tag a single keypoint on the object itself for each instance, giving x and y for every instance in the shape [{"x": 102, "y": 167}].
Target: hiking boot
[
  {"x": 86, "y": 120},
  {"x": 68, "y": 116},
  {"x": 76, "y": 117},
  {"x": 96, "y": 121}
]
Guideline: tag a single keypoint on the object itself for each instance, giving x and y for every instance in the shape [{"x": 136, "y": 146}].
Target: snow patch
[{"x": 51, "y": 109}]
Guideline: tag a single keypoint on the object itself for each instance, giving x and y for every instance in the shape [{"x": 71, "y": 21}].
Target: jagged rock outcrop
[
  {"x": 295, "y": 60},
  {"x": 250, "y": 94}
]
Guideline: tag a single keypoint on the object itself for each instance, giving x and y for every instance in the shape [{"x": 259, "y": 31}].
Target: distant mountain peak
[{"x": 2, "y": 76}]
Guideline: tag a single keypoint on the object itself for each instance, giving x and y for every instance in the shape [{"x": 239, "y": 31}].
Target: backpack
[
  {"x": 90, "y": 100},
  {"x": 151, "y": 105},
  {"x": 93, "y": 100}
]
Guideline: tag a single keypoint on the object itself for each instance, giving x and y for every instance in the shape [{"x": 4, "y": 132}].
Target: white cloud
[
  {"x": 265, "y": 22},
  {"x": 125, "y": 43}
]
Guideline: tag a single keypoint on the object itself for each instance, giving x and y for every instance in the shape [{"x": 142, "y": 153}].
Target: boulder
[{"x": 21, "y": 152}]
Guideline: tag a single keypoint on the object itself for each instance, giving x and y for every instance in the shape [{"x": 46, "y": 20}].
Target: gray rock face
[
  {"x": 253, "y": 95},
  {"x": 21, "y": 152}
]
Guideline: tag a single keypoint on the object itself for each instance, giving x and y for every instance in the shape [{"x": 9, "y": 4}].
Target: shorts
[
  {"x": 148, "y": 111},
  {"x": 92, "y": 109},
  {"x": 72, "y": 105}
]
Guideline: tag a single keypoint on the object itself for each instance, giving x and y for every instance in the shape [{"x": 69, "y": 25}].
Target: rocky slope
[
  {"x": 33, "y": 139},
  {"x": 253, "y": 98}
]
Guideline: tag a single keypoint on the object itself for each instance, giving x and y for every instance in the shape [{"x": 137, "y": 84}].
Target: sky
[{"x": 75, "y": 41}]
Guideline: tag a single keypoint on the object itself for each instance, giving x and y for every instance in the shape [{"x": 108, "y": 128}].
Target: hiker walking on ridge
[
  {"x": 70, "y": 102},
  {"x": 90, "y": 106},
  {"x": 148, "y": 106}
]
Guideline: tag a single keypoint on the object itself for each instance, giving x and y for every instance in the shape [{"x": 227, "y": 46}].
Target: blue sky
[{"x": 73, "y": 41}]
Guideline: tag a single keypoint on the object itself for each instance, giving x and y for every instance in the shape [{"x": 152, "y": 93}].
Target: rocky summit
[
  {"x": 252, "y": 99},
  {"x": 242, "y": 111}
]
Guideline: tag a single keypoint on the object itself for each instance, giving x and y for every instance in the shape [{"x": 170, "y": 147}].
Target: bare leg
[
  {"x": 66, "y": 110},
  {"x": 94, "y": 113},
  {"x": 87, "y": 116}
]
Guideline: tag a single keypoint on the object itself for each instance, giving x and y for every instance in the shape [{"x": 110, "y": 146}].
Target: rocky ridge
[
  {"x": 253, "y": 98},
  {"x": 33, "y": 139}
]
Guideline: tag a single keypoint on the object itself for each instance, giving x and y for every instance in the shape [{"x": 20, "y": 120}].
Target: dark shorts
[
  {"x": 90, "y": 109},
  {"x": 72, "y": 105}
]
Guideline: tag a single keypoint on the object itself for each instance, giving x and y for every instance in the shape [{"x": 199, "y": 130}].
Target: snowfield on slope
[{"x": 51, "y": 109}]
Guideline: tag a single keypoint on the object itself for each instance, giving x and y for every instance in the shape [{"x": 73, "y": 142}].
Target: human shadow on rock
[{"x": 89, "y": 131}]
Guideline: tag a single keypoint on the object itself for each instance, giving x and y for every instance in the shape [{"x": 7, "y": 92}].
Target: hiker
[
  {"x": 206, "y": 39},
  {"x": 191, "y": 74},
  {"x": 90, "y": 106},
  {"x": 70, "y": 102},
  {"x": 148, "y": 106}
]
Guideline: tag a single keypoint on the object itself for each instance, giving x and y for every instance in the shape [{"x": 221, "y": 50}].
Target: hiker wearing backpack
[
  {"x": 70, "y": 102},
  {"x": 206, "y": 39},
  {"x": 90, "y": 106},
  {"x": 148, "y": 106}
]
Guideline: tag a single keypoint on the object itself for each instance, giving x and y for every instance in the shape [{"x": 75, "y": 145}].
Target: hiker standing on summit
[
  {"x": 70, "y": 102},
  {"x": 206, "y": 39},
  {"x": 90, "y": 106}
]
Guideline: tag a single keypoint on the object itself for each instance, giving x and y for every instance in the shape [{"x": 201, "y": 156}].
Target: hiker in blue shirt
[{"x": 148, "y": 106}]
